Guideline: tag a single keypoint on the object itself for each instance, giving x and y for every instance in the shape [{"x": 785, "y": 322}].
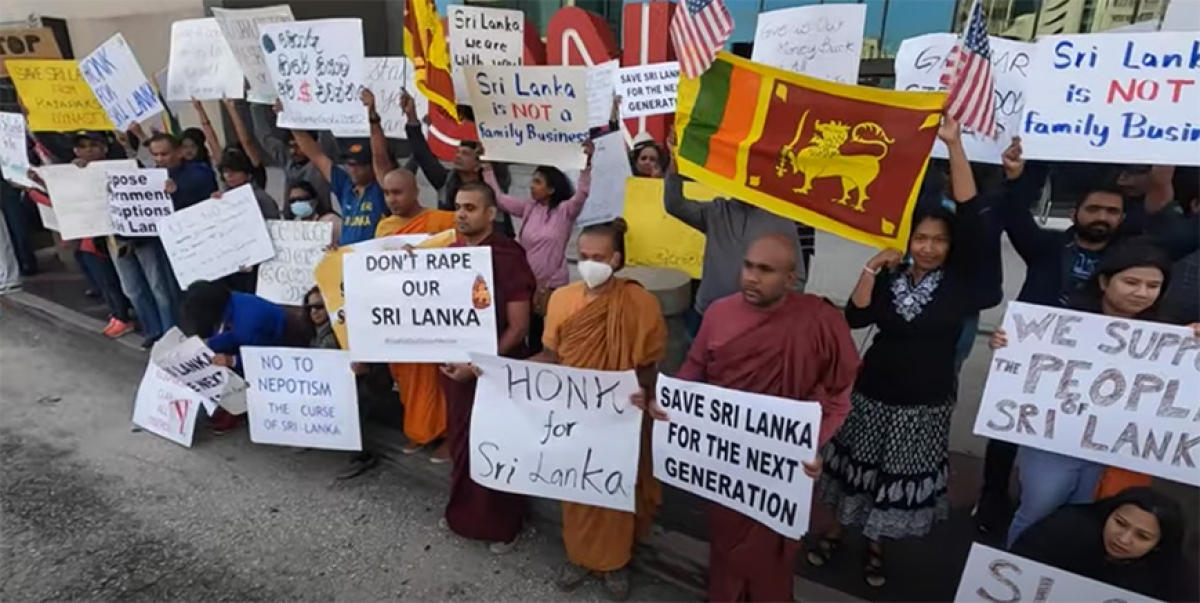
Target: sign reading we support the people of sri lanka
[
  {"x": 845, "y": 159},
  {"x": 427, "y": 305},
  {"x": 1115, "y": 391},
  {"x": 483, "y": 36},
  {"x": 992, "y": 575},
  {"x": 534, "y": 115},
  {"x": 1116, "y": 98},
  {"x": 739, "y": 450},
  {"x": 556, "y": 432},
  {"x": 317, "y": 69},
  {"x": 119, "y": 84}
]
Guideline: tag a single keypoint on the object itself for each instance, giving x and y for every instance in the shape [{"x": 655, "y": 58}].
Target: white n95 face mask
[{"x": 594, "y": 273}]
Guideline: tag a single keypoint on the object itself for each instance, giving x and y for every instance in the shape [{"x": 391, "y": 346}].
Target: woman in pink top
[{"x": 546, "y": 223}]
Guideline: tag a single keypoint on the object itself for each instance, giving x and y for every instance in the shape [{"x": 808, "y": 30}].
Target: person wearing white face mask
[
  {"x": 303, "y": 203},
  {"x": 606, "y": 323}
]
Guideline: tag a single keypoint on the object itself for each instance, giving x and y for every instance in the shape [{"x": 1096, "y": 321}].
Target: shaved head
[
  {"x": 769, "y": 269},
  {"x": 401, "y": 194}
]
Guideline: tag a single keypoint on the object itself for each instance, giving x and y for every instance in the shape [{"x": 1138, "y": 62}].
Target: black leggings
[{"x": 998, "y": 463}]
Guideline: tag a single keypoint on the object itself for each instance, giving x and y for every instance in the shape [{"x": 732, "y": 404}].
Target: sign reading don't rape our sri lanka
[
  {"x": 1114, "y": 391},
  {"x": 534, "y": 115},
  {"x": 740, "y": 450},
  {"x": 317, "y": 69},
  {"x": 1116, "y": 98},
  {"x": 430, "y": 305},
  {"x": 556, "y": 432}
]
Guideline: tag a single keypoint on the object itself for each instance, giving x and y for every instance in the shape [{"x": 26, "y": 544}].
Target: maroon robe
[
  {"x": 800, "y": 350},
  {"x": 474, "y": 511}
]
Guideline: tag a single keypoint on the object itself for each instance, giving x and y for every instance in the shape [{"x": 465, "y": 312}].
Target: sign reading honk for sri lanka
[{"x": 845, "y": 159}]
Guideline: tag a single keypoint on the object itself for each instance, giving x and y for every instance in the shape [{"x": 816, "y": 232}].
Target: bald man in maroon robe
[{"x": 769, "y": 340}]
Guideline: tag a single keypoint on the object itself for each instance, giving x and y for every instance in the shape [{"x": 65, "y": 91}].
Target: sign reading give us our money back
[{"x": 845, "y": 159}]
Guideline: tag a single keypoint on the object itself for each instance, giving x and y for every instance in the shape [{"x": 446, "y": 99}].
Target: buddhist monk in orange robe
[
  {"x": 606, "y": 323},
  {"x": 768, "y": 340},
  {"x": 420, "y": 394}
]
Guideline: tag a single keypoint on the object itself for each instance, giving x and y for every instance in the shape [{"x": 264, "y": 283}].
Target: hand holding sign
[
  {"x": 639, "y": 400},
  {"x": 1011, "y": 159}
]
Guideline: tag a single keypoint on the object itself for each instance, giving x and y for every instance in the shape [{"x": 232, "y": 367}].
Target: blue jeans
[
  {"x": 102, "y": 275},
  {"x": 1049, "y": 481},
  {"x": 966, "y": 341},
  {"x": 19, "y": 218},
  {"x": 147, "y": 279}
]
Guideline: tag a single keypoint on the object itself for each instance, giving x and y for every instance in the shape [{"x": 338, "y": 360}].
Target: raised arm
[
  {"x": 243, "y": 134},
  {"x": 1020, "y": 190},
  {"x": 508, "y": 203},
  {"x": 311, "y": 149},
  {"x": 583, "y": 187},
  {"x": 380, "y": 158},
  {"x": 211, "y": 140},
  {"x": 680, "y": 207},
  {"x": 962, "y": 181},
  {"x": 434, "y": 171},
  {"x": 271, "y": 139},
  {"x": 869, "y": 292}
]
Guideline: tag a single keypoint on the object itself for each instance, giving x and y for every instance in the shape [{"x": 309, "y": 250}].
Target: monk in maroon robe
[
  {"x": 473, "y": 510},
  {"x": 769, "y": 340}
]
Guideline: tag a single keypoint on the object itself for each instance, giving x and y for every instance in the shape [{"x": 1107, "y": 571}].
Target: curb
[{"x": 670, "y": 556}]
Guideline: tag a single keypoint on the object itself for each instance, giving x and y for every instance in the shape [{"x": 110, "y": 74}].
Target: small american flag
[
  {"x": 699, "y": 31},
  {"x": 968, "y": 78}
]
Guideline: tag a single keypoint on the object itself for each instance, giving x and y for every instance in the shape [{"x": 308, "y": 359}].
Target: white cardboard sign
[
  {"x": 534, "y": 115},
  {"x": 739, "y": 450},
  {"x": 822, "y": 41},
  {"x": 610, "y": 170},
  {"x": 202, "y": 64},
  {"x": 303, "y": 398},
  {"x": 14, "y": 156},
  {"x": 137, "y": 200},
  {"x": 189, "y": 362},
  {"x": 556, "y": 432},
  {"x": 79, "y": 197},
  {"x": 299, "y": 247},
  {"x": 1114, "y": 391},
  {"x": 317, "y": 69},
  {"x": 648, "y": 89},
  {"x": 433, "y": 305},
  {"x": 483, "y": 36},
  {"x": 240, "y": 28},
  {"x": 387, "y": 78},
  {"x": 166, "y": 407},
  {"x": 992, "y": 575},
  {"x": 602, "y": 86},
  {"x": 117, "y": 80},
  {"x": 216, "y": 238}
]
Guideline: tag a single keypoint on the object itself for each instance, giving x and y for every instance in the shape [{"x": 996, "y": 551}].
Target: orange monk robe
[
  {"x": 621, "y": 330},
  {"x": 420, "y": 394}
]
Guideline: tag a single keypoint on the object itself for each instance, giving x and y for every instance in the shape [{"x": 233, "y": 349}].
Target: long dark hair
[
  {"x": 196, "y": 135},
  {"x": 560, "y": 185},
  {"x": 203, "y": 308},
  {"x": 1166, "y": 510},
  {"x": 636, "y": 151},
  {"x": 1134, "y": 253},
  {"x": 321, "y": 205}
]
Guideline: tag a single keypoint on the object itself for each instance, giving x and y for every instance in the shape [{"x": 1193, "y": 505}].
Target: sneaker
[
  {"x": 570, "y": 577},
  {"x": 92, "y": 293},
  {"x": 411, "y": 448},
  {"x": 500, "y": 548},
  {"x": 112, "y": 322},
  {"x": 616, "y": 584},
  {"x": 117, "y": 329},
  {"x": 441, "y": 455},
  {"x": 360, "y": 464}
]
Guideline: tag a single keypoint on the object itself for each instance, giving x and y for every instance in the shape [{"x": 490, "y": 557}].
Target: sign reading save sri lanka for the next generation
[{"x": 424, "y": 305}]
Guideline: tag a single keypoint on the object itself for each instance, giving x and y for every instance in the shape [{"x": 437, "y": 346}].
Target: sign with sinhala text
[
  {"x": 299, "y": 247},
  {"x": 303, "y": 398},
  {"x": 534, "y": 115},
  {"x": 1114, "y": 391},
  {"x": 739, "y": 450},
  {"x": 556, "y": 432},
  {"x": 119, "y": 84},
  {"x": 1115, "y": 98},
  {"x": 317, "y": 69},
  {"x": 992, "y": 575},
  {"x": 240, "y": 28},
  {"x": 431, "y": 305}
]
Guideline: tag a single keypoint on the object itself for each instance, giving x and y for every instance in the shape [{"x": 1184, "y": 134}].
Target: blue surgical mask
[{"x": 302, "y": 208}]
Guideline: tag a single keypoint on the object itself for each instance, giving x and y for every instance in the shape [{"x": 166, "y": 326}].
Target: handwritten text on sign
[
  {"x": 119, "y": 84},
  {"x": 189, "y": 361},
  {"x": 14, "y": 155},
  {"x": 166, "y": 407},
  {"x": 1114, "y": 391},
  {"x": 433, "y": 305},
  {"x": 556, "y": 432},
  {"x": 137, "y": 200},
  {"x": 216, "y": 238},
  {"x": 240, "y": 28},
  {"x": 483, "y": 36},
  {"x": 921, "y": 61},
  {"x": 740, "y": 450},
  {"x": 56, "y": 96},
  {"x": 388, "y": 78},
  {"x": 304, "y": 398},
  {"x": 317, "y": 68},
  {"x": 534, "y": 115},
  {"x": 299, "y": 247},
  {"x": 823, "y": 41},
  {"x": 1122, "y": 98},
  {"x": 992, "y": 575},
  {"x": 648, "y": 89},
  {"x": 202, "y": 65}
]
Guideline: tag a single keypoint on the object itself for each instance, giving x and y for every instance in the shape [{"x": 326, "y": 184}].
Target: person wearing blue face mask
[{"x": 303, "y": 203}]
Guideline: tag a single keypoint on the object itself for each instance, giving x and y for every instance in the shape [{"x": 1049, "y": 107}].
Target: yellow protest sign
[
  {"x": 56, "y": 96},
  {"x": 655, "y": 239},
  {"x": 37, "y": 43},
  {"x": 328, "y": 272}
]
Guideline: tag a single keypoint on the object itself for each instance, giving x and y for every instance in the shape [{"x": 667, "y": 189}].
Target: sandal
[
  {"x": 873, "y": 573},
  {"x": 823, "y": 552}
]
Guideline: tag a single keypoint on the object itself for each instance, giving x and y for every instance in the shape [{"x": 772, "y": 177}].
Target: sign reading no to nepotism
[
  {"x": 1115, "y": 391},
  {"x": 739, "y": 450}
]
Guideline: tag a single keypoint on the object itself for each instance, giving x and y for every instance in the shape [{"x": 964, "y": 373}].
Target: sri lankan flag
[
  {"x": 425, "y": 44},
  {"x": 846, "y": 159}
]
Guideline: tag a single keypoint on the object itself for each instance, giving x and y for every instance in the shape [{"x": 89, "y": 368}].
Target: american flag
[
  {"x": 699, "y": 31},
  {"x": 968, "y": 78}
]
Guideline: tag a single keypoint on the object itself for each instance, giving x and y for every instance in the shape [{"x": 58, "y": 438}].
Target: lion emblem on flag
[{"x": 823, "y": 157}]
